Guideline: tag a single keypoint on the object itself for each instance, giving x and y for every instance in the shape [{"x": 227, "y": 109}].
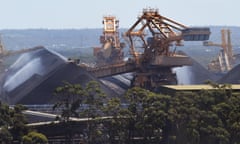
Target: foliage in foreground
[
  {"x": 34, "y": 137},
  {"x": 203, "y": 117},
  {"x": 12, "y": 125}
]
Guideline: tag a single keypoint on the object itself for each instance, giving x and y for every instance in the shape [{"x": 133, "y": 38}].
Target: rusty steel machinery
[
  {"x": 225, "y": 59},
  {"x": 151, "y": 38},
  {"x": 111, "y": 50}
]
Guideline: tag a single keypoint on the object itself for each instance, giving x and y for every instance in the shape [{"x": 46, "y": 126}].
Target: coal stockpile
[
  {"x": 33, "y": 78},
  {"x": 232, "y": 77},
  {"x": 194, "y": 74},
  {"x": 201, "y": 74},
  {"x": 118, "y": 83}
]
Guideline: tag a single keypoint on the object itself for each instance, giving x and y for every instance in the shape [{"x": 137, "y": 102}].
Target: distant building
[{"x": 172, "y": 89}]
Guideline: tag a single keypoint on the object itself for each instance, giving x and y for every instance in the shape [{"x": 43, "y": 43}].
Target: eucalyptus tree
[
  {"x": 94, "y": 99},
  {"x": 228, "y": 111},
  {"x": 135, "y": 111},
  {"x": 233, "y": 121},
  {"x": 183, "y": 116},
  {"x": 202, "y": 117},
  {"x": 5, "y": 123},
  {"x": 156, "y": 121},
  {"x": 146, "y": 115},
  {"x": 19, "y": 121},
  {"x": 115, "y": 126},
  {"x": 74, "y": 100},
  {"x": 34, "y": 137},
  {"x": 5, "y": 135},
  {"x": 12, "y": 123},
  {"x": 69, "y": 99},
  {"x": 212, "y": 126}
]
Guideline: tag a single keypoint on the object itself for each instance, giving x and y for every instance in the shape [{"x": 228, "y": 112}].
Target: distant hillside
[
  {"x": 70, "y": 38},
  {"x": 70, "y": 42}
]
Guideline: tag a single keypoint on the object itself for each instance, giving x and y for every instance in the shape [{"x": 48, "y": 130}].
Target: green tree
[
  {"x": 214, "y": 109},
  {"x": 233, "y": 121},
  {"x": 156, "y": 123},
  {"x": 12, "y": 123},
  {"x": 69, "y": 98},
  {"x": 204, "y": 117},
  {"x": 183, "y": 116},
  {"x": 229, "y": 114},
  {"x": 5, "y": 135},
  {"x": 34, "y": 137},
  {"x": 135, "y": 111},
  {"x": 86, "y": 102},
  {"x": 19, "y": 121},
  {"x": 113, "y": 125},
  {"x": 145, "y": 116},
  {"x": 5, "y": 123},
  {"x": 201, "y": 117},
  {"x": 94, "y": 100}
]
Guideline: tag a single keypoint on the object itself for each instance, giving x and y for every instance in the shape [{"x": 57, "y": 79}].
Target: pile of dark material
[
  {"x": 200, "y": 74},
  {"x": 232, "y": 77},
  {"x": 194, "y": 74},
  {"x": 33, "y": 78}
]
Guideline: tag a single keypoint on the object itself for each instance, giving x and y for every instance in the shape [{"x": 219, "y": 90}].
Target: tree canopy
[{"x": 204, "y": 117}]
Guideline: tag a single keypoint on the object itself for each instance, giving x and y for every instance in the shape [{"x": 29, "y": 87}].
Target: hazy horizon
[{"x": 75, "y": 14}]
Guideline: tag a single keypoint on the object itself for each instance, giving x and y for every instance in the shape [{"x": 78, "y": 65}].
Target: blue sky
[{"x": 55, "y": 14}]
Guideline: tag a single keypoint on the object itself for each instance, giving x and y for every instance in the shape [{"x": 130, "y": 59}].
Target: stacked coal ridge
[
  {"x": 33, "y": 78},
  {"x": 232, "y": 77}
]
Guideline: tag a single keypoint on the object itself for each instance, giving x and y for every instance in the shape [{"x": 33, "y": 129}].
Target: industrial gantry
[
  {"x": 152, "y": 41},
  {"x": 156, "y": 55},
  {"x": 225, "y": 59},
  {"x": 111, "y": 50}
]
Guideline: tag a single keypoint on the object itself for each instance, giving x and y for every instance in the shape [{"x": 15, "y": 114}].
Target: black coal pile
[
  {"x": 33, "y": 78},
  {"x": 194, "y": 74},
  {"x": 232, "y": 77},
  {"x": 118, "y": 83}
]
